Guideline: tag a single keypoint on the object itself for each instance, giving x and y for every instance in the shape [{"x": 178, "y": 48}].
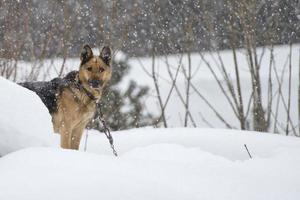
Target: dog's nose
[{"x": 95, "y": 83}]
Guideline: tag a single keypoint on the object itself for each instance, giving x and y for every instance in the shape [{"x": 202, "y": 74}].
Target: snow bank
[
  {"x": 24, "y": 120},
  {"x": 220, "y": 142},
  {"x": 158, "y": 164}
]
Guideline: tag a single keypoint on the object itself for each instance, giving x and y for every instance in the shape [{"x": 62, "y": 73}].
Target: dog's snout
[{"x": 95, "y": 83}]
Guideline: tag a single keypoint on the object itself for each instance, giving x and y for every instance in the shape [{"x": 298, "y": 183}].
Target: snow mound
[
  {"x": 166, "y": 164},
  {"x": 220, "y": 142},
  {"x": 24, "y": 120}
]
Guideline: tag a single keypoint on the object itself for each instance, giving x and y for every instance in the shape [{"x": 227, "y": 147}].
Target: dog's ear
[
  {"x": 86, "y": 54},
  {"x": 105, "y": 55}
]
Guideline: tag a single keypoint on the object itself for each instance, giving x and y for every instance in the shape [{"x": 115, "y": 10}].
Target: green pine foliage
[{"x": 123, "y": 109}]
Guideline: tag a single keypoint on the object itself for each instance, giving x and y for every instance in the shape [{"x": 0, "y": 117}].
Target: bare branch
[
  {"x": 205, "y": 121},
  {"x": 289, "y": 92},
  {"x": 178, "y": 92},
  {"x": 219, "y": 84},
  {"x": 158, "y": 92}
]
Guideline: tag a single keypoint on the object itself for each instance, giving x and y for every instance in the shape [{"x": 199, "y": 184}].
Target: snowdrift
[
  {"x": 158, "y": 164},
  {"x": 24, "y": 120},
  {"x": 220, "y": 142}
]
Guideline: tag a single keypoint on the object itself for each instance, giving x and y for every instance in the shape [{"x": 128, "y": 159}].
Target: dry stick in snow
[{"x": 247, "y": 150}]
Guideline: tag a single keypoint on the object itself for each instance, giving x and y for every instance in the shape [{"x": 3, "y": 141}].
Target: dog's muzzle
[{"x": 94, "y": 83}]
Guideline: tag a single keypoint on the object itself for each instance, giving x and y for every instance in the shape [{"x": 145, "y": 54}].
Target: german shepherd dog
[{"x": 72, "y": 100}]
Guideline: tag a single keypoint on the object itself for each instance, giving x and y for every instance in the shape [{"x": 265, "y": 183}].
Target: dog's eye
[
  {"x": 101, "y": 69},
  {"x": 89, "y": 69}
]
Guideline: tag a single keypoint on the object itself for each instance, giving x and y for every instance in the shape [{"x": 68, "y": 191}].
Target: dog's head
[{"x": 95, "y": 71}]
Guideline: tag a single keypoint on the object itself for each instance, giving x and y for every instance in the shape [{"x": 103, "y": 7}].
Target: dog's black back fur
[{"x": 49, "y": 91}]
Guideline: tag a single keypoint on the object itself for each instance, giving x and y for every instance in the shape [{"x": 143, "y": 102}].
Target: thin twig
[
  {"x": 187, "y": 100},
  {"x": 281, "y": 95},
  {"x": 289, "y": 91},
  {"x": 172, "y": 86},
  {"x": 242, "y": 117},
  {"x": 270, "y": 91},
  {"x": 158, "y": 92},
  {"x": 248, "y": 151},
  {"x": 205, "y": 121},
  {"x": 179, "y": 94},
  {"x": 211, "y": 107},
  {"x": 219, "y": 84}
]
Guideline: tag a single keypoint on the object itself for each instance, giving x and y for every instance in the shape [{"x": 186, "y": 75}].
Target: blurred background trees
[{"x": 44, "y": 28}]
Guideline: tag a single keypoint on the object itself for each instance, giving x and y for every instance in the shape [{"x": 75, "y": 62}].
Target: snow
[
  {"x": 24, "y": 120},
  {"x": 158, "y": 164},
  {"x": 221, "y": 142}
]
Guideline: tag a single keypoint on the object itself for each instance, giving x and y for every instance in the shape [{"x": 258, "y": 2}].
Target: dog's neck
[
  {"x": 91, "y": 94},
  {"x": 87, "y": 92}
]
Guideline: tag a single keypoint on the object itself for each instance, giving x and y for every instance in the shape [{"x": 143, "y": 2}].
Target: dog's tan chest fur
[{"x": 75, "y": 110}]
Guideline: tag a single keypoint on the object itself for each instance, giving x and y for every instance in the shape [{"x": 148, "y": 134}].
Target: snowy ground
[{"x": 158, "y": 164}]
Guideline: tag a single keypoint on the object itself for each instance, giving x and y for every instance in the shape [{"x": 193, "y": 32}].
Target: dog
[{"x": 72, "y": 100}]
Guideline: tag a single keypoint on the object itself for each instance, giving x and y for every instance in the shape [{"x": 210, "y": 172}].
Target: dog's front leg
[
  {"x": 65, "y": 135},
  {"x": 76, "y": 137},
  {"x": 63, "y": 127}
]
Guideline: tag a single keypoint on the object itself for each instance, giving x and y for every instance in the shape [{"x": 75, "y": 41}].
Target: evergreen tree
[{"x": 123, "y": 109}]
